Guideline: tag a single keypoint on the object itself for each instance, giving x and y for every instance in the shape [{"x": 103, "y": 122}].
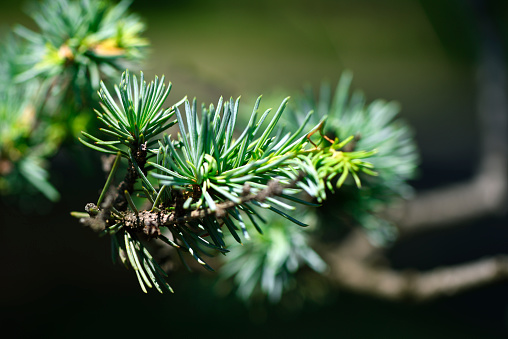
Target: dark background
[{"x": 56, "y": 277}]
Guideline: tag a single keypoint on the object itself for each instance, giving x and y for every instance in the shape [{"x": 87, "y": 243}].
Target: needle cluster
[{"x": 206, "y": 180}]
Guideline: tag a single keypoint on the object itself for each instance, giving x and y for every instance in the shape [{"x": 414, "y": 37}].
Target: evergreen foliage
[
  {"x": 374, "y": 125},
  {"x": 79, "y": 43},
  {"x": 207, "y": 180},
  {"x": 26, "y": 139},
  {"x": 264, "y": 266},
  {"x": 208, "y": 185},
  {"x": 49, "y": 80},
  {"x": 267, "y": 265}
]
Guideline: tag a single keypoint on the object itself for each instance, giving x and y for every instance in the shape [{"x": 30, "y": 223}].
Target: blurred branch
[
  {"x": 352, "y": 268},
  {"x": 485, "y": 193},
  {"x": 351, "y": 263}
]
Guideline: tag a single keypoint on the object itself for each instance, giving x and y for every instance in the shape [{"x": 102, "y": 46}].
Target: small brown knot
[{"x": 92, "y": 209}]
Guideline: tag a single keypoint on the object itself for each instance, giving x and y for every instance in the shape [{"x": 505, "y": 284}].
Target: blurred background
[{"x": 57, "y": 279}]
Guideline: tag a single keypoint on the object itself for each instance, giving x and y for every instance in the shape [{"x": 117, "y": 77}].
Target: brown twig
[
  {"x": 351, "y": 268},
  {"x": 127, "y": 184},
  {"x": 150, "y": 222}
]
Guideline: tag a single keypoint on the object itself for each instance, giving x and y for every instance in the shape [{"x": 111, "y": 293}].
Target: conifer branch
[{"x": 213, "y": 179}]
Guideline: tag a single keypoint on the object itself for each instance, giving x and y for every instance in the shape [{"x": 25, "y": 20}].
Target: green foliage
[
  {"x": 22, "y": 155},
  {"x": 208, "y": 156},
  {"x": 359, "y": 126},
  {"x": 49, "y": 79},
  {"x": 139, "y": 117},
  {"x": 374, "y": 125},
  {"x": 267, "y": 265},
  {"x": 79, "y": 43},
  {"x": 25, "y": 141},
  {"x": 207, "y": 179},
  {"x": 185, "y": 191}
]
